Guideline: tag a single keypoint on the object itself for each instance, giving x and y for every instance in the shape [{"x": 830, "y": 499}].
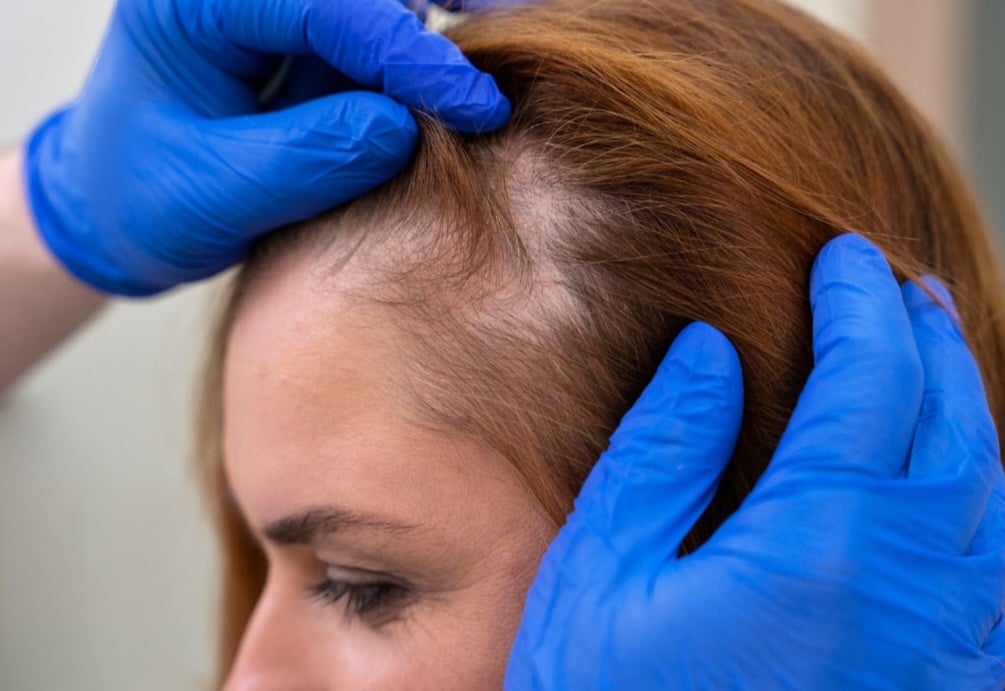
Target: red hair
[{"x": 667, "y": 161}]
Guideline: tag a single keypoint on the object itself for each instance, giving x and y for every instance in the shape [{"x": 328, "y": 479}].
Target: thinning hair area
[{"x": 666, "y": 162}]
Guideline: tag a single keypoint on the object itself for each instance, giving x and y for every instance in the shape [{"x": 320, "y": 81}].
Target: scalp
[{"x": 667, "y": 161}]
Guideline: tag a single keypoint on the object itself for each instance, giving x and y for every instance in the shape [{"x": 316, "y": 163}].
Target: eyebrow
[{"x": 308, "y": 527}]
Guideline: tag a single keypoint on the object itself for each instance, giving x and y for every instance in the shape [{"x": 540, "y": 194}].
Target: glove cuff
[{"x": 59, "y": 214}]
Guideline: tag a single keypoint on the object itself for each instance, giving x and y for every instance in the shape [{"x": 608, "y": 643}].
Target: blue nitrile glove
[
  {"x": 167, "y": 165},
  {"x": 871, "y": 554}
]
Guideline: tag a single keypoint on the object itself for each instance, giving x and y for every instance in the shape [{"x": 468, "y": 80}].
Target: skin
[
  {"x": 40, "y": 303},
  {"x": 317, "y": 423}
]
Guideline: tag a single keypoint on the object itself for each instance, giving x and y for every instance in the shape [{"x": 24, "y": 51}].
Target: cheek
[
  {"x": 452, "y": 641},
  {"x": 457, "y": 641},
  {"x": 445, "y": 653},
  {"x": 460, "y": 641}
]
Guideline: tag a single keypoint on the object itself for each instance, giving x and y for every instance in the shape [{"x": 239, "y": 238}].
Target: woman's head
[
  {"x": 450, "y": 353},
  {"x": 392, "y": 546}
]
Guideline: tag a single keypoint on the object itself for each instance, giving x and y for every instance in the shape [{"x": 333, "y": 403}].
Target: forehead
[
  {"x": 305, "y": 353},
  {"x": 316, "y": 411}
]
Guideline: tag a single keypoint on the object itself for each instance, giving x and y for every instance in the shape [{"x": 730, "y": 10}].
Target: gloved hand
[
  {"x": 168, "y": 164},
  {"x": 871, "y": 554}
]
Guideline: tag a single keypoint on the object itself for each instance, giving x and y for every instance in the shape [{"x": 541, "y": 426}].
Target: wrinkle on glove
[{"x": 169, "y": 163}]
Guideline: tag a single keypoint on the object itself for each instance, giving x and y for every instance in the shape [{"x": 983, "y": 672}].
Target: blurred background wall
[
  {"x": 106, "y": 566},
  {"x": 985, "y": 116}
]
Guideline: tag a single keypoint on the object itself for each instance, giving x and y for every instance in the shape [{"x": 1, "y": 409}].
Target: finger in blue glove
[
  {"x": 870, "y": 555},
  {"x": 167, "y": 165}
]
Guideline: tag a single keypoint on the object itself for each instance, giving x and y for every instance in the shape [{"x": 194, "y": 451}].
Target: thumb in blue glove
[
  {"x": 871, "y": 554},
  {"x": 167, "y": 166}
]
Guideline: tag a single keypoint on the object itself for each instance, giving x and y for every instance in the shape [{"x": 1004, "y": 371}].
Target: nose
[{"x": 279, "y": 649}]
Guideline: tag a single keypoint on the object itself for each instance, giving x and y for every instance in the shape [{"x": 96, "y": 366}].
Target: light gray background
[
  {"x": 106, "y": 567},
  {"x": 986, "y": 116}
]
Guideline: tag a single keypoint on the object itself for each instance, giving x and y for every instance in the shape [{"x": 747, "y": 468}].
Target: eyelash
[{"x": 361, "y": 599}]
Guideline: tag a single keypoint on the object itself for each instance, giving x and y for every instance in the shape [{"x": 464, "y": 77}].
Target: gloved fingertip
[
  {"x": 316, "y": 155},
  {"x": 942, "y": 292},
  {"x": 491, "y": 113},
  {"x": 478, "y": 5},
  {"x": 382, "y": 121},
  {"x": 477, "y": 118},
  {"x": 666, "y": 457},
  {"x": 702, "y": 345},
  {"x": 473, "y": 105},
  {"x": 939, "y": 313},
  {"x": 699, "y": 383},
  {"x": 700, "y": 355},
  {"x": 370, "y": 133},
  {"x": 845, "y": 261}
]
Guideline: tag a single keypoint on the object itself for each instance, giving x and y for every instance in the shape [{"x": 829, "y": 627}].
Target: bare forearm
[{"x": 40, "y": 303}]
